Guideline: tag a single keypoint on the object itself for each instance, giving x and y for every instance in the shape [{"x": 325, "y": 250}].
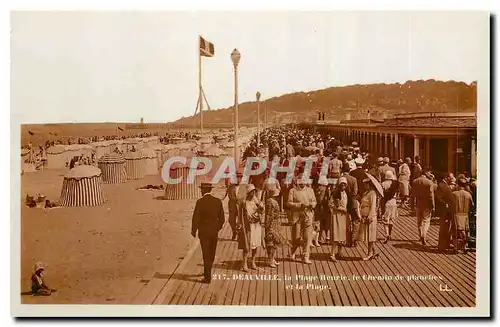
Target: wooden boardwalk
[{"x": 405, "y": 274}]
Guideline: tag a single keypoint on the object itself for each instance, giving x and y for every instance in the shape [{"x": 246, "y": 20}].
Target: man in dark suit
[
  {"x": 445, "y": 203},
  {"x": 423, "y": 195},
  {"x": 352, "y": 207},
  {"x": 208, "y": 219}
]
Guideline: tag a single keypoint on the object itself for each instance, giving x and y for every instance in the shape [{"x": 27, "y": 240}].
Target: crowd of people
[{"x": 365, "y": 192}]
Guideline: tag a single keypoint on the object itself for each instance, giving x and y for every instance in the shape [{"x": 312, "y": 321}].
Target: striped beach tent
[
  {"x": 150, "y": 161},
  {"x": 152, "y": 141},
  {"x": 56, "y": 157},
  {"x": 186, "y": 149},
  {"x": 182, "y": 190},
  {"x": 113, "y": 169},
  {"x": 82, "y": 187},
  {"x": 101, "y": 148},
  {"x": 134, "y": 165},
  {"x": 216, "y": 156}
]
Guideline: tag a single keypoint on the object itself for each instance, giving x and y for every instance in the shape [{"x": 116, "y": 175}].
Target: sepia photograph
[{"x": 250, "y": 163}]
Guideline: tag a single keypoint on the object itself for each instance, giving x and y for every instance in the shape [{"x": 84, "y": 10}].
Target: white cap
[{"x": 359, "y": 161}]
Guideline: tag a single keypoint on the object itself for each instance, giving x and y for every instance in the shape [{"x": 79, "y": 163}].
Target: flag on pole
[
  {"x": 207, "y": 49},
  {"x": 121, "y": 129},
  {"x": 31, "y": 133}
]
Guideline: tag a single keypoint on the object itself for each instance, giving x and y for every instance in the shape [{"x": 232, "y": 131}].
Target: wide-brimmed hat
[
  {"x": 359, "y": 161},
  {"x": 39, "y": 266},
  {"x": 250, "y": 188},
  {"x": 274, "y": 192},
  {"x": 380, "y": 160},
  {"x": 371, "y": 179},
  {"x": 386, "y": 160},
  {"x": 342, "y": 180}
]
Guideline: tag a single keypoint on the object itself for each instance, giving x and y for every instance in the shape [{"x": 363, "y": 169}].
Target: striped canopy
[
  {"x": 112, "y": 157},
  {"x": 214, "y": 151},
  {"x": 133, "y": 155},
  {"x": 83, "y": 171},
  {"x": 147, "y": 153},
  {"x": 56, "y": 149},
  {"x": 82, "y": 186},
  {"x": 113, "y": 169}
]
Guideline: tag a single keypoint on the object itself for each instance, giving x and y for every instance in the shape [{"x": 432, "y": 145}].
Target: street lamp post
[
  {"x": 265, "y": 117},
  {"x": 257, "y": 95},
  {"x": 235, "y": 57}
]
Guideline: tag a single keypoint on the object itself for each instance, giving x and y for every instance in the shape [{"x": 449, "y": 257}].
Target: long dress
[
  {"x": 250, "y": 236},
  {"x": 368, "y": 209},
  {"x": 273, "y": 230},
  {"x": 339, "y": 218},
  {"x": 391, "y": 208}
]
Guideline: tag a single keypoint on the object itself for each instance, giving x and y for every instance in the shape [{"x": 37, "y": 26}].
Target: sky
[{"x": 120, "y": 66}]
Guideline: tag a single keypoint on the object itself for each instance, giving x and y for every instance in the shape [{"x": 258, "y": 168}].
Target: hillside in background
[{"x": 382, "y": 100}]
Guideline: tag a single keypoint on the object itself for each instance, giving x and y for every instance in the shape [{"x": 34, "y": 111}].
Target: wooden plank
[
  {"x": 416, "y": 263},
  {"x": 333, "y": 297},
  {"x": 300, "y": 267},
  {"x": 367, "y": 298},
  {"x": 312, "y": 293},
  {"x": 224, "y": 252},
  {"x": 350, "y": 287},
  {"x": 225, "y": 291},
  {"x": 178, "y": 290},
  {"x": 410, "y": 267},
  {"x": 317, "y": 270},
  {"x": 293, "y": 294},
  {"x": 374, "y": 288},
  {"x": 450, "y": 276},
  {"x": 395, "y": 258},
  {"x": 420, "y": 291}
]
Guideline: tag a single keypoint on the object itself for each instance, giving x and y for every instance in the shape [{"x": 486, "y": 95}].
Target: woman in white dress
[
  {"x": 250, "y": 226},
  {"x": 390, "y": 186},
  {"x": 368, "y": 226},
  {"x": 339, "y": 216}
]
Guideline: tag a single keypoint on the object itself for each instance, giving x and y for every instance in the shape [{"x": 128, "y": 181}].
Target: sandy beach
[{"x": 101, "y": 255}]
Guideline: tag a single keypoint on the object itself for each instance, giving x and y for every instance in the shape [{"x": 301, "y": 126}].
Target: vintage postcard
[{"x": 272, "y": 163}]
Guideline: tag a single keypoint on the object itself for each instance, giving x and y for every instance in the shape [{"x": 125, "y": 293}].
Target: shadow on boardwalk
[{"x": 405, "y": 274}]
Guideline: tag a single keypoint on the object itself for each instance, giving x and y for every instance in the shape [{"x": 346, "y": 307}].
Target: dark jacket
[
  {"x": 360, "y": 175},
  {"x": 208, "y": 216},
  {"x": 444, "y": 200}
]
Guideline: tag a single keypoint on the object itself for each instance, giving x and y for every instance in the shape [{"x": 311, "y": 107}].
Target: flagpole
[{"x": 200, "y": 97}]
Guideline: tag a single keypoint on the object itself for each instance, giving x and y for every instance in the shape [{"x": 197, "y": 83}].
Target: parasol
[{"x": 376, "y": 183}]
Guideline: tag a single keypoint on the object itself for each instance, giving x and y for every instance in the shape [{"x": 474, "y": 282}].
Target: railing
[{"x": 435, "y": 114}]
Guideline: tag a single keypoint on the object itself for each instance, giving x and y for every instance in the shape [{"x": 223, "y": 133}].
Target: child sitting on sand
[{"x": 38, "y": 286}]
